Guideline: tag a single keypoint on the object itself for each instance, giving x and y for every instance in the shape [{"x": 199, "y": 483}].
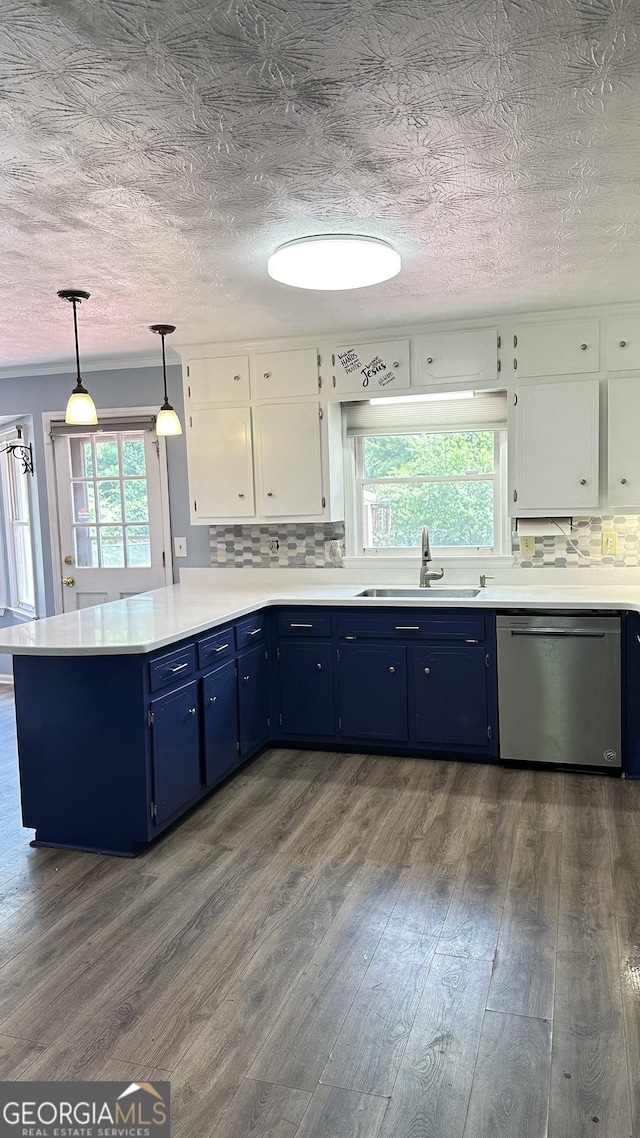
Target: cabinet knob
[
  {"x": 392, "y": 670},
  {"x": 269, "y": 493},
  {"x": 583, "y": 482},
  {"x": 267, "y": 375},
  {"x": 427, "y": 671},
  {"x": 319, "y": 667},
  {"x": 583, "y": 347},
  {"x": 241, "y": 495},
  {"x": 236, "y": 379},
  {"x": 213, "y": 699},
  {"x": 429, "y": 359},
  {"x": 623, "y": 481},
  {"x": 192, "y": 711},
  {"x": 622, "y": 344},
  {"x": 396, "y": 363},
  {"x": 245, "y": 678}
]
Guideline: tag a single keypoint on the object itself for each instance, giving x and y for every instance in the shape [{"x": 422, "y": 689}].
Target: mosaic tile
[{"x": 583, "y": 548}]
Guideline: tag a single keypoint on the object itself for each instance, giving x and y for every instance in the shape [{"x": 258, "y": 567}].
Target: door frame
[{"x": 49, "y": 417}]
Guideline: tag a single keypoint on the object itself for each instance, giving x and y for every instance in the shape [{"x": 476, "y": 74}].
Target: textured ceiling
[{"x": 155, "y": 152}]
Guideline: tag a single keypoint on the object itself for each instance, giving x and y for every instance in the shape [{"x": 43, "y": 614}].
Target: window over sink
[{"x": 438, "y": 461}]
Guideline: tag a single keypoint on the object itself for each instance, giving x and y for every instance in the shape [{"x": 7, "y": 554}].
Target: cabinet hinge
[
  {"x": 269, "y": 722},
  {"x": 340, "y": 724},
  {"x": 515, "y": 495},
  {"x": 515, "y": 341},
  {"x": 486, "y": 660},
  {"x": 333, "y": 363},
  {"x": 235, "y": 672},
  {"x": 334, "y": 381},
  {"x": 324, "y": 502},
  {"x": 237, "y": 744},
  {"x": 499, "y": 365},
  {"x": 154, "y": 810},
  {"x": 277, "y": 653},
  {"x": 488, "y": 732},
  {"x": 499, "y": 341},
  {"x": 195, "y": 505},
  {"x": 189, "y": 391},
  {"x": 188, "y": 372},
  {"x": 515, "y": 400},
  {"x": 150, "y": 718},
  {"x": 320, "y": 414},
  {"x": 515, "y": 364},
  {"x": 280, "y": 719},
  {"x": 190, "y": 420},
  {"x": 319, "y": 360},
  {"x": 319, "y": 383},
  {"x": 266, "y": 654},
  {"x": 164, "y": 559},
  {"x": 338, "y": 655}
]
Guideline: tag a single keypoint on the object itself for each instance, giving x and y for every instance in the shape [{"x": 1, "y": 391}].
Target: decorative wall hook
[{"x": 23, "y": 452}]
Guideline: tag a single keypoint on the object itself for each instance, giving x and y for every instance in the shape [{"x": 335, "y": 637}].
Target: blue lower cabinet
[
  {"x": 305, "y": 675},
  {"x": 253, "y": 700},
  {"x": 372, "y": 685},
  {"x": 450, "y": 694},
  {"x": 220, "y": 732},
  {"x": 175, "y": 736}
]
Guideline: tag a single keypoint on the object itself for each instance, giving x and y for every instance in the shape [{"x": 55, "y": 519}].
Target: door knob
[{"x": 69, "y": 581}]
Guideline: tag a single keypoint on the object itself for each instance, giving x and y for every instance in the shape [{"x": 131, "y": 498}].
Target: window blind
[
  {"x": 487, "y": 411},
  {"x": 104, "y": 426}
]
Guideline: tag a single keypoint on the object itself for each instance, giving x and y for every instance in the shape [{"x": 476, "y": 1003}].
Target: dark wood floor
[{"x": 347, "y": 946}]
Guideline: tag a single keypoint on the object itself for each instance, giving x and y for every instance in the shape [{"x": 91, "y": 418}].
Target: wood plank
[
  {"x": 335, "y": 1111},
  {"x": 431, "y": 1094},
  {"x": 524, "y": 968},
  {"x": 586, "y": 845},
  {"x": 473, "y": 921},
  {"x": 628, "y": 929},
  {"x": 16, "y": 1056},
  {"x": 449, "y": 827},
  {"x": 263, "y": 1110},
  {"x": 510, "y": 1089},
  {"x": 296, "y": 1050},
  {"x": 543, "y": 800},
  {"x": 406, "y": 825},
  {"x": 624, "y": 829},
  {"x": 589, "y": 1077}
]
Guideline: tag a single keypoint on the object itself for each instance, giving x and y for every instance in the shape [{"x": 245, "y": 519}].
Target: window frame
[
  {"x": 354, "y": 483},
  {"x": 10, "y": 576}
]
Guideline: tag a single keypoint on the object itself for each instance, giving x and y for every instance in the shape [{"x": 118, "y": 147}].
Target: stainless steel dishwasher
[{"x": 559, "y": 689}]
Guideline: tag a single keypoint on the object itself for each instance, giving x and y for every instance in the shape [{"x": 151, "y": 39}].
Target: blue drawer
[
  {"x": 250, "y": 631},
  {"x": 215, "y": 648},
  {"x": 413, "y": 624},
  {"x": 172, "y": 667},
  {"x": 304, "y": 622}
]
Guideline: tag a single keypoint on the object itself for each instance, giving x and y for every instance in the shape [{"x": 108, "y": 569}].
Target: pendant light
[
  {"x": 167, "y": 422},
  {"x": 80, "y": 407}
]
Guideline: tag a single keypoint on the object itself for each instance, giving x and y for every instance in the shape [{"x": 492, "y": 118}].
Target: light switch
[
  {"x": 527, "y": 546},
  {"x": 180, "y": 546}
]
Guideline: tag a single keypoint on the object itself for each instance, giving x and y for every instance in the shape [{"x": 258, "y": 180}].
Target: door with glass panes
[{"x": 110, "y": 515}]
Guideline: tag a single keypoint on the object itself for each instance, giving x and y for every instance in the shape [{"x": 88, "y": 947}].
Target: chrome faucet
[{"x": 426, "y": 576}]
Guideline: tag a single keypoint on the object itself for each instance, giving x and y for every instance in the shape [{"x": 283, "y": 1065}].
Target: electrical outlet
[
  {"x": 333, "y": 550},
  {"x": 274, "y": 546},
  {"x": 180, "y": 547},
  {"x": 527, "y": 546},
  {"x": 609, "y": 543}
]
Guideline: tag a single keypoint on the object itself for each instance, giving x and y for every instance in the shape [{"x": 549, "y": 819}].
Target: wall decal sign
[{"x": 377, "y": 372}]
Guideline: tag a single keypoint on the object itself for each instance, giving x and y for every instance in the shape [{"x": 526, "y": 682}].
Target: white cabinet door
[
  {"x": 445, "y": 356},
  {"x": 285, "y": 375},
  {"x": 378, "y": 368},
  {"x": 288, "y": 459},
  {"x": 623, "y": 344},
  {"x": 556, "y": 447},
  {"x": 559, "y": 348},
  {"x": 220, "y": 463},
  {"x": 623, "y": 476},
  {"x": 220, "y": 379}
]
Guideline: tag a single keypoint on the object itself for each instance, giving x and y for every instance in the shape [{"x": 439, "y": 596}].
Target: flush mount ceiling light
[
  {"x": 167, "y": 422},
  {"x": 334, "y": 261},
  {"x": 80, "y": 406}
]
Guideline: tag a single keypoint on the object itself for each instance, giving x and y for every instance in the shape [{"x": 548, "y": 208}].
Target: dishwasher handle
[{"x": 557, "y": 632}]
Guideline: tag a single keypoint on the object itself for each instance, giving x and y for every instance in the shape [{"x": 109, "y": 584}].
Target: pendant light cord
[
  {"x": 75, "y": 329},
  {"x": 164, "y": 370}
]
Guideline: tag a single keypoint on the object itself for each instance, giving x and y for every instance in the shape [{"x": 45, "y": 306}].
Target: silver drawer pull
[
  {"x": 407, "y": 627},
  {"x": 192, "y": 711},
  {"x": 556, "y": 632},
  {"x": 222, "y": 648},
  {"x": 350, "y": 638},
  {"x": 301, "y": 626},
  {"x": 392, "y": 670},
  {"x": 471, "y": 641},
  {"x": 180, "y": 668},
  {"x": 255, "y": 631}
]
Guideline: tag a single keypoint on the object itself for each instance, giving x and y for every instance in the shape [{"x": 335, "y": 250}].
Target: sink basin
[{"x": 422, "y": 594}]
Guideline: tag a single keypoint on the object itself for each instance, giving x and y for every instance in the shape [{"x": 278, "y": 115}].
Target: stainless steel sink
[{"x": 423, "y": 594}]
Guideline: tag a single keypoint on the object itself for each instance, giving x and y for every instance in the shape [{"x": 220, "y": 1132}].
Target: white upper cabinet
[
  {"x": 622, "y": 338},
  {"x": 623, "y": 478},
  {"x": 285, "y": 375},
  {"x": 446, "y": 356},
  {"x": 288, "y": 459},
  {"x": 555, "y": 465},
  {"x": 558, "y": 348},
  {"x": 370, "y": 370},
  {"x": 220, "y": 463},
  {"x": 219, "y": 379}
]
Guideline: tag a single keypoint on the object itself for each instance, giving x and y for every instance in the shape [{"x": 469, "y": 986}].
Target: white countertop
[{"x": 208, "y": 598}]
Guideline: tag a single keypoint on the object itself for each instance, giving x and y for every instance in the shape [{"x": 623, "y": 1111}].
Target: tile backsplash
[
  {"x": 583, "y": 547},
  {"x": 299, "y": 546}
]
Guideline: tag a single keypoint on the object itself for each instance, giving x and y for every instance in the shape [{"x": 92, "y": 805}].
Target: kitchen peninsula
[{"x": 130, "y": 713}]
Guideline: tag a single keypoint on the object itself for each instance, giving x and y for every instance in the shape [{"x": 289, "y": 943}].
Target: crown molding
[{"x": 89, "y": 364}]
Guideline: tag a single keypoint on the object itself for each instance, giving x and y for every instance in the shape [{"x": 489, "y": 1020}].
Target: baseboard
[{"x": 6, "y": 678}]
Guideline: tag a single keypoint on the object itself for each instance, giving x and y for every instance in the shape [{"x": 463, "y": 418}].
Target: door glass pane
[
  {"x": 109, "y": 501},
  {"x": 107, "y": 461},
  {"x": 138, "y": 547},
  {"x": 84, "y": 505},
  {"x": 86, "y": 547},
  {"x": 81, "y": 457},
  {"x": 112, "y": 546},
  {"x": 133, "y": 457},
  {"x": 457, "y": 513},
  {"x": 136, "y": 505}
]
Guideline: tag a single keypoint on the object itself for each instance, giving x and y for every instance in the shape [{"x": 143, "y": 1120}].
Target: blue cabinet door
[
  {"x": 306, "y": 688},
  {"x": 450, "y": 691},
  {"x": 373, "y": 691},
  {"x": 176, "y": 749},
  {"x": 220, "y": 722},
  {"x": 253, "y": 700}
]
